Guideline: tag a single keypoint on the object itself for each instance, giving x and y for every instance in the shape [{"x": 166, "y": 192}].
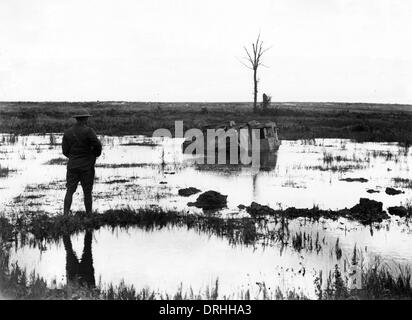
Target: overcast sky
[{"x": 189, "y": 50}]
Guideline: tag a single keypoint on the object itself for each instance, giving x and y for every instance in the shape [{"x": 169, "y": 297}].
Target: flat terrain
[{"x": 361, "y": 122}]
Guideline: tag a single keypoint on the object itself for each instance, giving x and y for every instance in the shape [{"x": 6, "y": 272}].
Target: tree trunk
[{"x": 255, "y": 92}]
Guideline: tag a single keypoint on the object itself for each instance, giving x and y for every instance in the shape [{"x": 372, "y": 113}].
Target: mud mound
[
  {"x": 256, "y": 209},
  {"x": 398, "y": 211},
  {"x": 210, "y": 200},
  {"x": 392, "y": 191},
  {"x": 367, "y": 211},
  {"x": 186, "y": 192},
  {"x": 372, "y": 191}
]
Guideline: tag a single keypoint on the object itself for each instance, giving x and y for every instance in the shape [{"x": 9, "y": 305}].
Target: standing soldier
[{"x": 81, "y": 146}]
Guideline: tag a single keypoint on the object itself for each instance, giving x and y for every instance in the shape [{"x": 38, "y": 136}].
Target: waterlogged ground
[
  {"x": 137, "y": 172},
  {"x": 165, "y": 259}
]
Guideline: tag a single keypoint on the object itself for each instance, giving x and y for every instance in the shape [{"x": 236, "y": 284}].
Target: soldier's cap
[{"x": 82, "y": 113}]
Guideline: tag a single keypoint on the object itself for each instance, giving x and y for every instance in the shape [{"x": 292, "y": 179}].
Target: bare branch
[
  {"x": 248, "y": 54},
  {"x": 266, "y": 49},
  {"x": 257, "y": 40},
  {"x": 254, "y": 53},
  {"x": 254, "y": 57},
  {"x": 263, "y": 65},
  {"x": 249, "y": 67}
]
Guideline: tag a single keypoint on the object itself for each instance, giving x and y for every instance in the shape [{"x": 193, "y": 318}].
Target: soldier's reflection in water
[{"x": 81, "y": 272}]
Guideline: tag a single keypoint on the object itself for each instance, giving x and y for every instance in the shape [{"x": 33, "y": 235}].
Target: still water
[{"x": 135, "y": 171}]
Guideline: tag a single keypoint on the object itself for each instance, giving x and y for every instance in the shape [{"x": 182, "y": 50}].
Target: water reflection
[
  {"x": 267, "y": 162},
  {"x": 82, "y": 271}
]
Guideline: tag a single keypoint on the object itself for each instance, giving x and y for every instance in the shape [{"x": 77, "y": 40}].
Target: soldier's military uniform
[{"x": 81, "y": 145}]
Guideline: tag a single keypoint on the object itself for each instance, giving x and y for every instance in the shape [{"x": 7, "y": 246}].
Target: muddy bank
[
  {"x": 366, "y": 211},
  {"x": 42, "y": 226}
]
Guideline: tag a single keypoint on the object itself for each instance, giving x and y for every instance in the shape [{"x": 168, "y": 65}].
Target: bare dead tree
[{"x": 254, "y": 61}]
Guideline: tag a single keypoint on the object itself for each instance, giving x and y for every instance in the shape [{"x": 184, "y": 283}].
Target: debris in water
[
  {"x": 210, "y": 200},
  {"x": 398, "y": 211},
  {"x": 362, "y": 180},
  {"x": 186, "y": 192},
  {"x": 372, "y": 191},
  {"x": 392, "y": 191}
]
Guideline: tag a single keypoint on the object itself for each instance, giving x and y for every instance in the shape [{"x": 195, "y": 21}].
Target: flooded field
[{"x": 135, "y": 172}]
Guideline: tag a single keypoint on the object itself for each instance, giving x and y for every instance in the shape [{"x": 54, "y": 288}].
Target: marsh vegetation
[{"x": 361, "y": 122}]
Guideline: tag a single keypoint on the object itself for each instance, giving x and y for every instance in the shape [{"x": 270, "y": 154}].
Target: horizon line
[{"x": 201, "y": 102}]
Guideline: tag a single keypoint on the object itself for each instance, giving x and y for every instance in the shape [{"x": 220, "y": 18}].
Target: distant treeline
[{"x": 357, "y": 121}]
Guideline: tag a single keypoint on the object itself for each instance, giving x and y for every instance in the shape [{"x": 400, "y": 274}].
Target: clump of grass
[
  {"x": 336, "y": 168},
  {"x": 305, "y": 241},
  {"x": 402, "y": 182},
  {"x": 141, "y": 144},
  {"x": 5, "y": 171},
  {"x": 115, "y": 181},
  {"x": 125, "y": 292},
  {"x": 338, "y": 250},
  {"x": 6, "y": 229},
  {"x": 52, "y": 139},
  {"x": 53, "y": 185},
  {"x": 297, "y": 241},
  {"x": 57, "y": 161},
  {"x": 329, "y": 158},
  {"x": 377, "y": 281},
  {"x": 124, "y": 165},
  {"x": 289, "y": 183},
  {"x": 385, "y": 154}
]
